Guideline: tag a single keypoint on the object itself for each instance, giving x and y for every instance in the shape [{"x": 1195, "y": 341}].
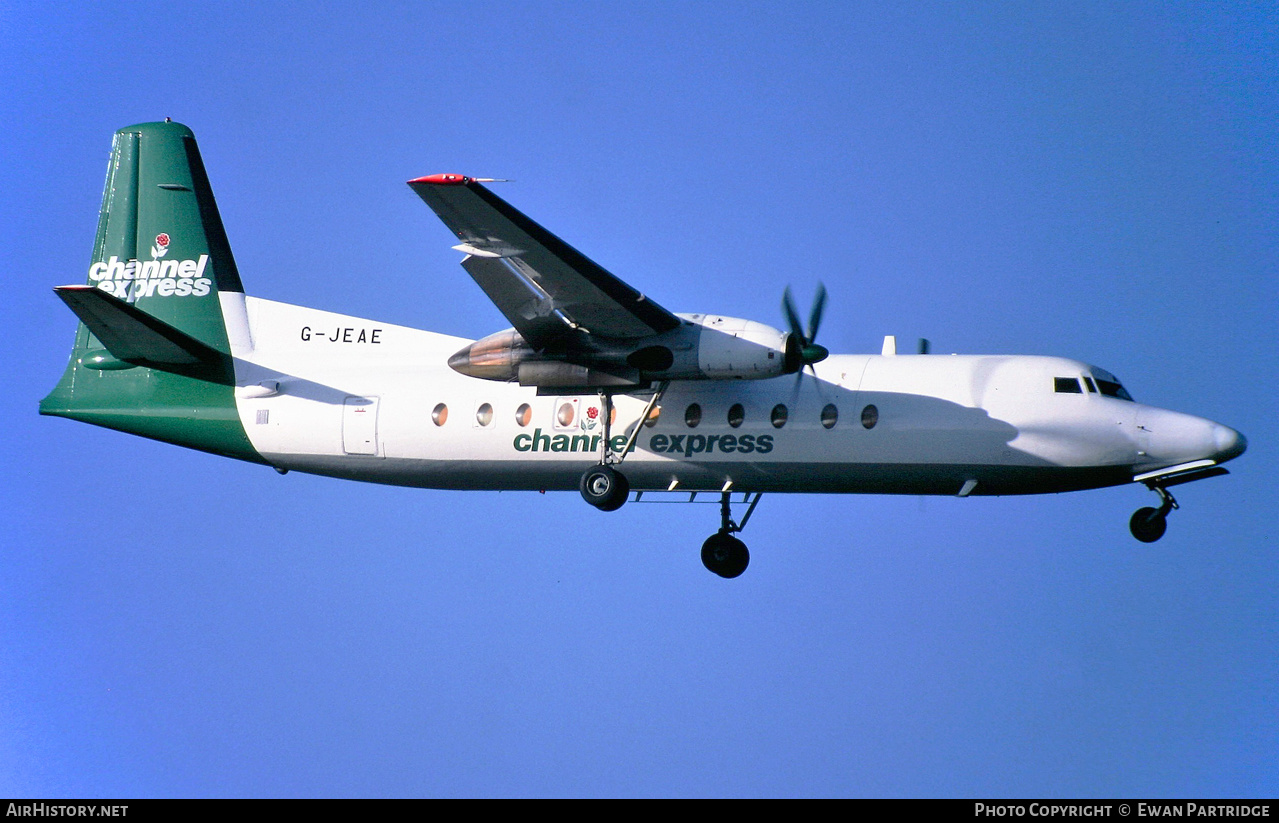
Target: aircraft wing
[{"x": 544, "y": 286}]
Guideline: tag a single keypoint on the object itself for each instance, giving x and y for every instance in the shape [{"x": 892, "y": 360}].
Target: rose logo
[{"x": 161, "y": 247}]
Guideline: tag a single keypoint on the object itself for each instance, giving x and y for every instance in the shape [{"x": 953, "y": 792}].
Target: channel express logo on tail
[{"x": 131, "y": 279}]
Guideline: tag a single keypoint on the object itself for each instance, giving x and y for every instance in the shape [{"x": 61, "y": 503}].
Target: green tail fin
[{"x": 162, "y": 365}]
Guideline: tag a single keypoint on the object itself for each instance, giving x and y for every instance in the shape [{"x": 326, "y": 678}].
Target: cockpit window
[
  {"x": 1067, "y": 385},
  {"x": 1092, "y": 387},
  {"x": 1112, "y": 388}
]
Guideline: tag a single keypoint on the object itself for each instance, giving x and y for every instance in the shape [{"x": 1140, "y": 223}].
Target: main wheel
[
  {"x": 725, "y": 555},
  {"x": 604, "y": 488},
  {"x": 1148, "y": 525}
]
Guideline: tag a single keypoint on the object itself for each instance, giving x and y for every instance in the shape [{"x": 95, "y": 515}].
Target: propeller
[{"x": 801, "y": 351}]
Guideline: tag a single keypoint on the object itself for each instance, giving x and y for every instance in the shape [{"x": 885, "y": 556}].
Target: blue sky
[{"x": 1092, "y": 180}]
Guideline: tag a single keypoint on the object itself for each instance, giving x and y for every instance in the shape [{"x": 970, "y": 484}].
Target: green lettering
[
  {"x": 746, "y": 443},
  {"x": 527, "y": 444},
  {"x": 728, "y": 443},
  {"x": 581, "y": 441},
  {"x": 658, "y": 443},
  {"x": 559, "y": 443},
  {"x": 764, "y": 443}
]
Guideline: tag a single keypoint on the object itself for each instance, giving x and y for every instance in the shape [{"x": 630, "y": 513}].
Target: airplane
[{"x": 595, "y": 386}]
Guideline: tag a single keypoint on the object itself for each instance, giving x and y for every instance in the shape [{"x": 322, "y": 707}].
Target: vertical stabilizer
[{"x": 160, "y": 248}]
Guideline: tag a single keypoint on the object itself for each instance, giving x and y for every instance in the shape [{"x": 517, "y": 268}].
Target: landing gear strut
[
  {"x": 603, "y": 486},
  {"x": 722, "y": 553},
  {"x": 1148, "y": 524}
]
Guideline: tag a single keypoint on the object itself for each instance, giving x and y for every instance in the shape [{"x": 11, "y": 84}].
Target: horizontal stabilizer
[{"x": 136, "y": 337}]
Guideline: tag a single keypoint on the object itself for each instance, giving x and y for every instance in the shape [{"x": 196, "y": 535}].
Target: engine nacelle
[
  {"x": 733, "y": 348},
  {"x": 703, "y": 347}
]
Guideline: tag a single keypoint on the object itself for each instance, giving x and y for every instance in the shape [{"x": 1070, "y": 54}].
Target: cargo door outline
[{"x": 359, "y": 426}]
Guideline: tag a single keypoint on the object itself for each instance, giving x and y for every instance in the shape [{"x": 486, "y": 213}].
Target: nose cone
[
  {"x": 1230, "y": 443},
  {"x": 1172, "y": 437}
]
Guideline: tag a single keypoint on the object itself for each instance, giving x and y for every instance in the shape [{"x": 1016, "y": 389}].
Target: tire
[
  {"x": 725, "y": 555},
  {"x": 604, "y": 488},
  {"x": 1148, "y": 525}
]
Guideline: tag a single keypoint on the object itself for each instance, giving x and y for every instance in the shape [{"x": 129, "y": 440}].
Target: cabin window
[
  {"x": 484, "y": 415},
  {"x": 1067, "y": 385},
  {"x": 778, "y": 416},
  {"x": 693, "y": 415},
  {"x": 653, "y": 417},
  {"x": 830, "y": 416},
  {"x": 564, "y": 415},
  {"x": 440, "y": 414},
  {"x": 736, "y": 415},
  {"x": 524, "y": 415},
  {"x": 870, "y": 416}
]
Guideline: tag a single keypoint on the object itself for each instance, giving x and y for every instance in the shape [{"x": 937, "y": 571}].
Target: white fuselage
[{"x": 341, "y": 396}]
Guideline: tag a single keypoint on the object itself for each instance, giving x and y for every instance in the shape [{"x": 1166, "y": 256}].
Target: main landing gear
[
  {"x": 1148, "y": 524},
  {"x": 722, "y": 553},
  {"x": 603, "y": 486}
]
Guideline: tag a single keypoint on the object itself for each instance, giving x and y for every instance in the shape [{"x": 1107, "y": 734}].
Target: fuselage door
[{"x": 359, "y": 425}]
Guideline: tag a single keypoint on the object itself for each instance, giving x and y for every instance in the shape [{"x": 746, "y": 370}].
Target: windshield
[{"x": 1109, "y": 385}]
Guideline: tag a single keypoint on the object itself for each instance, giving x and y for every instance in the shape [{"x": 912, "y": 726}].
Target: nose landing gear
[
  {"x": 1148, "y": 524},
  {"x": 722, "y": 553}
]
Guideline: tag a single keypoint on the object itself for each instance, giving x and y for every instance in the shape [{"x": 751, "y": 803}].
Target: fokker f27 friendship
[{"x": 596, "y": 387}]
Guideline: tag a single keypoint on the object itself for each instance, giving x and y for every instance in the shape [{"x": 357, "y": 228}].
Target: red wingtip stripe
[{"x": 443, "y": 179}]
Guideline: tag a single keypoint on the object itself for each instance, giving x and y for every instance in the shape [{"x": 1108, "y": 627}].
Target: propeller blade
[
  {"x": 815, "y": 318},
  {"x": 800, "y": 349},
  {"x": 792, "y": 316}
]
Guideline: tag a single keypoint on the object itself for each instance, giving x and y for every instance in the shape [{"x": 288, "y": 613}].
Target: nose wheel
[
  {"x": 1148, "y": 524},
  {"x": 725, "y": 555},
  {"x": 722, "y": 553}
]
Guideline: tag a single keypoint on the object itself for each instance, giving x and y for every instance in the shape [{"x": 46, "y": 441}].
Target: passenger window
[
  {"x": 830, "y": 416},
  {"x": 736, "y": 415},
  {"x": 1067, "y": 385},
  {"x": 440, "y": 414},
  {"x": 524, "y": 414},
  {"x": 484, "y": 415},
  {"x": 653, "y": 417},
  {"x": 870, "y": 416},
  {"x": 779, "y": 416},
  {"x": 693, "y": 415}
]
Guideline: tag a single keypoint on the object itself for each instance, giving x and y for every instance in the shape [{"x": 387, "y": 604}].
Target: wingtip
[{"x": 441, "y": 180}]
